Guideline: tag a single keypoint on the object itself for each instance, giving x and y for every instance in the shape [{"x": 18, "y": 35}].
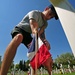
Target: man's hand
[{"x": 47, "y": 44}]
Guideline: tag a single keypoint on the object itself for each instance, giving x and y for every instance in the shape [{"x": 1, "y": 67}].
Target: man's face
[{"x": 49, "y": 14}]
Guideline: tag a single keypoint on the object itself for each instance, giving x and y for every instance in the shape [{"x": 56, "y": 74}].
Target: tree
[
  {"x": 17, "y": 66},
  {"x": 65, "y": 59},
  {"x": 21, "y": 64}
]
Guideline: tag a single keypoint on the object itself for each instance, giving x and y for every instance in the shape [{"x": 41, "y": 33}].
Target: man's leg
[
  {"x": 10, "y": 53},
  {"x": 48, "y": 64}
]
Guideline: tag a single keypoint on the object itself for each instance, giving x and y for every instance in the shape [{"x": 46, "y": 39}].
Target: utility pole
[{"x": 0, "y": 59}]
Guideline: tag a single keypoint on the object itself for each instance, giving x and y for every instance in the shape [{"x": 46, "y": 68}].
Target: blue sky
[{"x": 12, "y": 12}]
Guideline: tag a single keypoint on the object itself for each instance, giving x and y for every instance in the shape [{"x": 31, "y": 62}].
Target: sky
[{"x": 12, "y": 12}]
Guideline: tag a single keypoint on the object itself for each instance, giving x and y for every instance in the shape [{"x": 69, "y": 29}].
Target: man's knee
[{"x": 18, "y": 38}]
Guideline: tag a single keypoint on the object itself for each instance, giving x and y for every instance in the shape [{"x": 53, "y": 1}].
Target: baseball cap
[{"x": 54, "y": 11}]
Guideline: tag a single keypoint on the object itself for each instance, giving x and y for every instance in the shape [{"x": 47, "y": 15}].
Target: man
[{"x": 34, "y": 22}]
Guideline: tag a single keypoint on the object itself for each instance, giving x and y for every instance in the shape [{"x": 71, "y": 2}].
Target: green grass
[{"x": 73, "y": 73}]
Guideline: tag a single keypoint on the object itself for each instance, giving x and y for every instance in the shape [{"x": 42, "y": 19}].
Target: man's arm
[
  {"x": 43, "y": 38},
  {"x": 34, "y": 26}
]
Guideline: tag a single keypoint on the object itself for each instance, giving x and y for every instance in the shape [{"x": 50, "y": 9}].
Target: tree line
[{"x": 64, "y": 59}]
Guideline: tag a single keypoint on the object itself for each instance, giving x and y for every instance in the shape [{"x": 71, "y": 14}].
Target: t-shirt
[{"x": 36, "y": 15}]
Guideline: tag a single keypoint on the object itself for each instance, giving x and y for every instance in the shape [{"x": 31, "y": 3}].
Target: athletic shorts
[{"x": 27, "y": 38}]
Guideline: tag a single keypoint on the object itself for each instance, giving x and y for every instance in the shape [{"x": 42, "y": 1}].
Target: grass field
[{"x": 73, "y": 73}]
